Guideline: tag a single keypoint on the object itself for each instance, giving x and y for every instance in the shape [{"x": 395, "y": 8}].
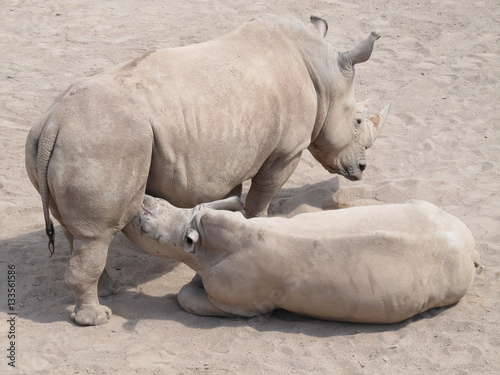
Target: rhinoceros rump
[
  {"x": 189, "y": 125},
  {"x": 372, "y": 264}
]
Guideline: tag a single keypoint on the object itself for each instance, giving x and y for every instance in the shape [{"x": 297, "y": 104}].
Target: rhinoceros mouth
[
  {"x": 352, "y": 178},
  {"x": 349, "y": 173}
]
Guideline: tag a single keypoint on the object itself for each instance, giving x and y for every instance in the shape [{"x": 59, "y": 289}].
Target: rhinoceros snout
[
  {"x": 355, "y": 172},
  {"x": 146, "y": 227}
]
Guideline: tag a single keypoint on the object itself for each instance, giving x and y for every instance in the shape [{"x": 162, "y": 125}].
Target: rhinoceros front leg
[
  {"x": 194, "y": 299},
  {"x": 85, "y": 267},
  {"x": 237, "y": 190},
  {"x": 267, "y": 183}
]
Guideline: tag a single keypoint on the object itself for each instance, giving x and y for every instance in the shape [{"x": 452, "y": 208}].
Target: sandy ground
[{"x": 438, "y": 62}]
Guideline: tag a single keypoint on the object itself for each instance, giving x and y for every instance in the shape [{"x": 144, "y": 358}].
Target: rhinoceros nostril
[{"x": 362, "y": 165}]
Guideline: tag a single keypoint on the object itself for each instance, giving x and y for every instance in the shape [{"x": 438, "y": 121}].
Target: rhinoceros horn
[
  {"x": 363, "y": 50},
  {"x": 373, "y": 125},
  {"x": 149, "y": 202}
]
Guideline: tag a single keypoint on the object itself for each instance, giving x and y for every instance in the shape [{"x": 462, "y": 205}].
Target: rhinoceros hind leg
[
  {"x": 194, "y": 299},
  {"x": 108, "y": 285},
  {"x": 85, "y": 267}
]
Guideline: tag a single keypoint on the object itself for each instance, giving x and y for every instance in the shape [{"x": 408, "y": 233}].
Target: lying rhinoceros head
[
  {"x": 166, "y": 225},
  {"x": 347, "y": 132}
]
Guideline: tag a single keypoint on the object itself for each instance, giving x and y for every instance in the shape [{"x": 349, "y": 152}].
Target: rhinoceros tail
[
  {"x": 49, "y": 229},
  {"x": 46, "y": 144}
]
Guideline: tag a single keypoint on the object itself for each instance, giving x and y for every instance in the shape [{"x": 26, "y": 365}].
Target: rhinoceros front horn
[{"x": 373, "y": 125}]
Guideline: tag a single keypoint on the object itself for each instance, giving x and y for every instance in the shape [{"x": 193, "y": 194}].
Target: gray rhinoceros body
[{"x": 190, "y": 125}]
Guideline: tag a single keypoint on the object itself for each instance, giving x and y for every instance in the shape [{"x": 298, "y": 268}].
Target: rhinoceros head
[
  {"x": 347, "y": 132},
  {"x": 159, "y": 228}
]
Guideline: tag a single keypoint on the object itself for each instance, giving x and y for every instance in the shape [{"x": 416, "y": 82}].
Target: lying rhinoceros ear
[
  {"x": 363, "y": 50},
  {"x": 190, "y": 239},
  {"x": 320, "y": 24}
]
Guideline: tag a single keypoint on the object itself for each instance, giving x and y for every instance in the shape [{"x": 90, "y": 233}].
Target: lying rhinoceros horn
[
  {"x": 149, "y": 202},
  {"x": 373, "y": 125}
]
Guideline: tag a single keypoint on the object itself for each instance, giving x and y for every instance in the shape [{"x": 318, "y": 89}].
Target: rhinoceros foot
[{"x": 91, "y": 315}]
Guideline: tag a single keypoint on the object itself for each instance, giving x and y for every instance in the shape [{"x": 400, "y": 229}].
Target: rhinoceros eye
[{"x": 358, "y": 121}]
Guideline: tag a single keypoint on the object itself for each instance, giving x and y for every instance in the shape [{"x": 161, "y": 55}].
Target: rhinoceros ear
[
  {"x": 190, "y": 239},
  {"x": 363, "y": 50},
  {"x": 320, "y": 24}
]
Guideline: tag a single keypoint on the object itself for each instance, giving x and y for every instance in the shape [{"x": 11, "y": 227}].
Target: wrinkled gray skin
[
  {"x": 190, "y": 125},
  {"x": 372, "y": 264}
]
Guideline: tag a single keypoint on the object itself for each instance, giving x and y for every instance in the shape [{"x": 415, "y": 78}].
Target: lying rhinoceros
[
  {"x": 190, "y": 125},
  {"x": 372, "y": 264}
]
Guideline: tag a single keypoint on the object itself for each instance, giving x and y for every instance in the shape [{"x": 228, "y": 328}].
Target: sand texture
[{"x": 437, "y": 62}]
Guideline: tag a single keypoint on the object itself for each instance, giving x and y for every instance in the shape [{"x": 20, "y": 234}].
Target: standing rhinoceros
[
  {"x": 370, "y": 264},
  {"x": 190, "y": 125}
]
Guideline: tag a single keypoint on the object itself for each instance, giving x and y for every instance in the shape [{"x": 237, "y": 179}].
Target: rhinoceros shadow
[
  {"x": 305, "y": 198},
  {"x": 41, "y": 293},
  {"x": 166, "y": 308}
]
